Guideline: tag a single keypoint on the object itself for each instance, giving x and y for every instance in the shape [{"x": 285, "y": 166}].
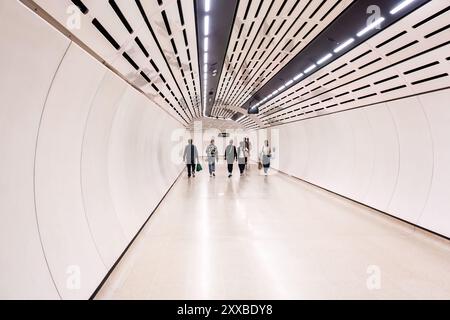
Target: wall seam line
[{"x": 34, "y": 167}]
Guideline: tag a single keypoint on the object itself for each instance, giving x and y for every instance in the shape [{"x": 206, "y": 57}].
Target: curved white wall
[
  {"x": 85, "y": 160},
  {"x": 392, "y": 156}
]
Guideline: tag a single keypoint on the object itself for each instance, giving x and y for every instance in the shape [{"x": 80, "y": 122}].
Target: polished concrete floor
[{"x": 275, "y": 237}]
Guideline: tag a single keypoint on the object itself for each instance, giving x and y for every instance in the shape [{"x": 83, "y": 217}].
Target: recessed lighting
[
  {"x": 206, "y": 25},
  {"x": 289, "y": 83},
  {"x": 324, "y": 58},
  {"x": 344, "y": 45},
  {"x": 298, "y": 76},
  {"x": 370, "y": 27},
  {"x": 400, "y": 6},
  {"x": 310, "y": 68}
]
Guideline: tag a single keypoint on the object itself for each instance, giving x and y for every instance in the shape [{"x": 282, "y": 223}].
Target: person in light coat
[
  {"x": 213, "y": 156},
  {"x": 241, "y": 157},
  {"x": 265, "y": 155}
]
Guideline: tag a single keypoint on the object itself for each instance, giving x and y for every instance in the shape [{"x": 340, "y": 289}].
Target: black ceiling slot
[
  {"x": 437, "y": 14},
  {"x": 81, "y": 6},
  {"x": 402, "y": 48},
  {"x": 348, "y": 101},
  {"x": 130, "y": 61},
  {"x": 386, "y": 79},
  {"x": 361, "y": 88},
  {"x": 119, "y": 13},
  {"x": 174, "y": 46},
  {"x": 166, "y": 22},
  {"x": 259, "y": 8},
  {"x": 281, "y": 8},
  {"x": 105, "y": 33},
  {"x": 154, "y": 65},
  {"x": 293, "y": 7},
  {"x": 270, "y": 27},
  {"x": 422, "y": 67},
  {"x": 367, "y": 96},
  {"x": 346, "y": 74},
  {"x": 279, "y": 28},
  {"x": 361, "y": 55},
  {"x": 369, "y": 63},
  {"x": 342, "y": 94},
  {"x": 317, "y": 9},
  {"x": 145, "y": 77},
  {"x": 180, "y": 11},
  {"x": 248, "y": 8},
  {"x": 430, "y": 78},
  {"x": 141, "y": 46},
  {"x": 391, "y": 39},
  {"x": 185, "y": 38},
  {"x": 329, "y": 11},
  {"x": 338, "y": 68},
  {"x": 309, "y": 32},
  {"x": 393, "y": 89},
  {"x": 437, "y": 31}
]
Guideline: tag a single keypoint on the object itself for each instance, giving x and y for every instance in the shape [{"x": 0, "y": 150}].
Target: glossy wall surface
[
  {"x": 85, "y": 160},
  {"x": 392, "y": 156}
]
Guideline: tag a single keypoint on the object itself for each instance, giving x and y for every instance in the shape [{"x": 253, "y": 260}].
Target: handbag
[
  {"x": 260, "y": 165},
  {"x": 199, "y": 167}
]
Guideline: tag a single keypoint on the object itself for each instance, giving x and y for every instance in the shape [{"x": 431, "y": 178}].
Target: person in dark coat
[
  {"x": 190, "y": 157},
  {"x": 230, "y": 157}
]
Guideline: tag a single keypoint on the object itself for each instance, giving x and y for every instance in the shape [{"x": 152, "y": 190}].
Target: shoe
[
  {"x": 189, "y": 177},
  {"x": 229, "y": 176},
  {"x": 214, "y": 174},
  {"x": 210, "y": 175}
]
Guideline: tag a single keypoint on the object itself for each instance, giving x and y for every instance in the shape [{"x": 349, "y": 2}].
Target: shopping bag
[
  {"x": 260, "y": 165},
  {"x": 199, "y": 167}
]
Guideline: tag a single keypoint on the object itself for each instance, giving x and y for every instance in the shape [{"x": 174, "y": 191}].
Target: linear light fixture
[
  {"x": 324, "y": 58},
  {"x": 370, "y": 27},
  {"x": 206, "y": 26},
  {"x": 310, "y": 68},
  {"x": 298, "y": 76},
  {"x": 287, "y": 84},
  {"x": 401, "y": 6},
  {"x": 207, "y": 5},
  {"x": 206, "y": 44}
]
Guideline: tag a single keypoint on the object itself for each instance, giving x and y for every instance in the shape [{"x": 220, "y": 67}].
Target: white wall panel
[
  {"x": 60, "y": 172},
  {"x": 385, "y": 157},
  {"x": 436, "y": 214},
  {"x": 391, "y": 156},
  {"x": 62, "y": 219},
  {"x": 100, "y": 212},
  {"x": 416, "y": 159},
  {"x": 27, "y": 68}
]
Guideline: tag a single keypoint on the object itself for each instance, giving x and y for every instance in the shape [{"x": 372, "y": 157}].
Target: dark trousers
[
  {"x": 242, "y": 168},
  {"x": 191, "y": 169},
  {"x": 230, "y": 168}
]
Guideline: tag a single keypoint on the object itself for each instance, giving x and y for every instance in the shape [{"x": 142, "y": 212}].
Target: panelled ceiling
[
  {"x": 153, "y": 45},
  {"x": 410, "y": 57},
  {"x": 266, "y": 35}
]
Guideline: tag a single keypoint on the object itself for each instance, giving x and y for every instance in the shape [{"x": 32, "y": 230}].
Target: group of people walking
[{"x": 241, "y": 154}]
